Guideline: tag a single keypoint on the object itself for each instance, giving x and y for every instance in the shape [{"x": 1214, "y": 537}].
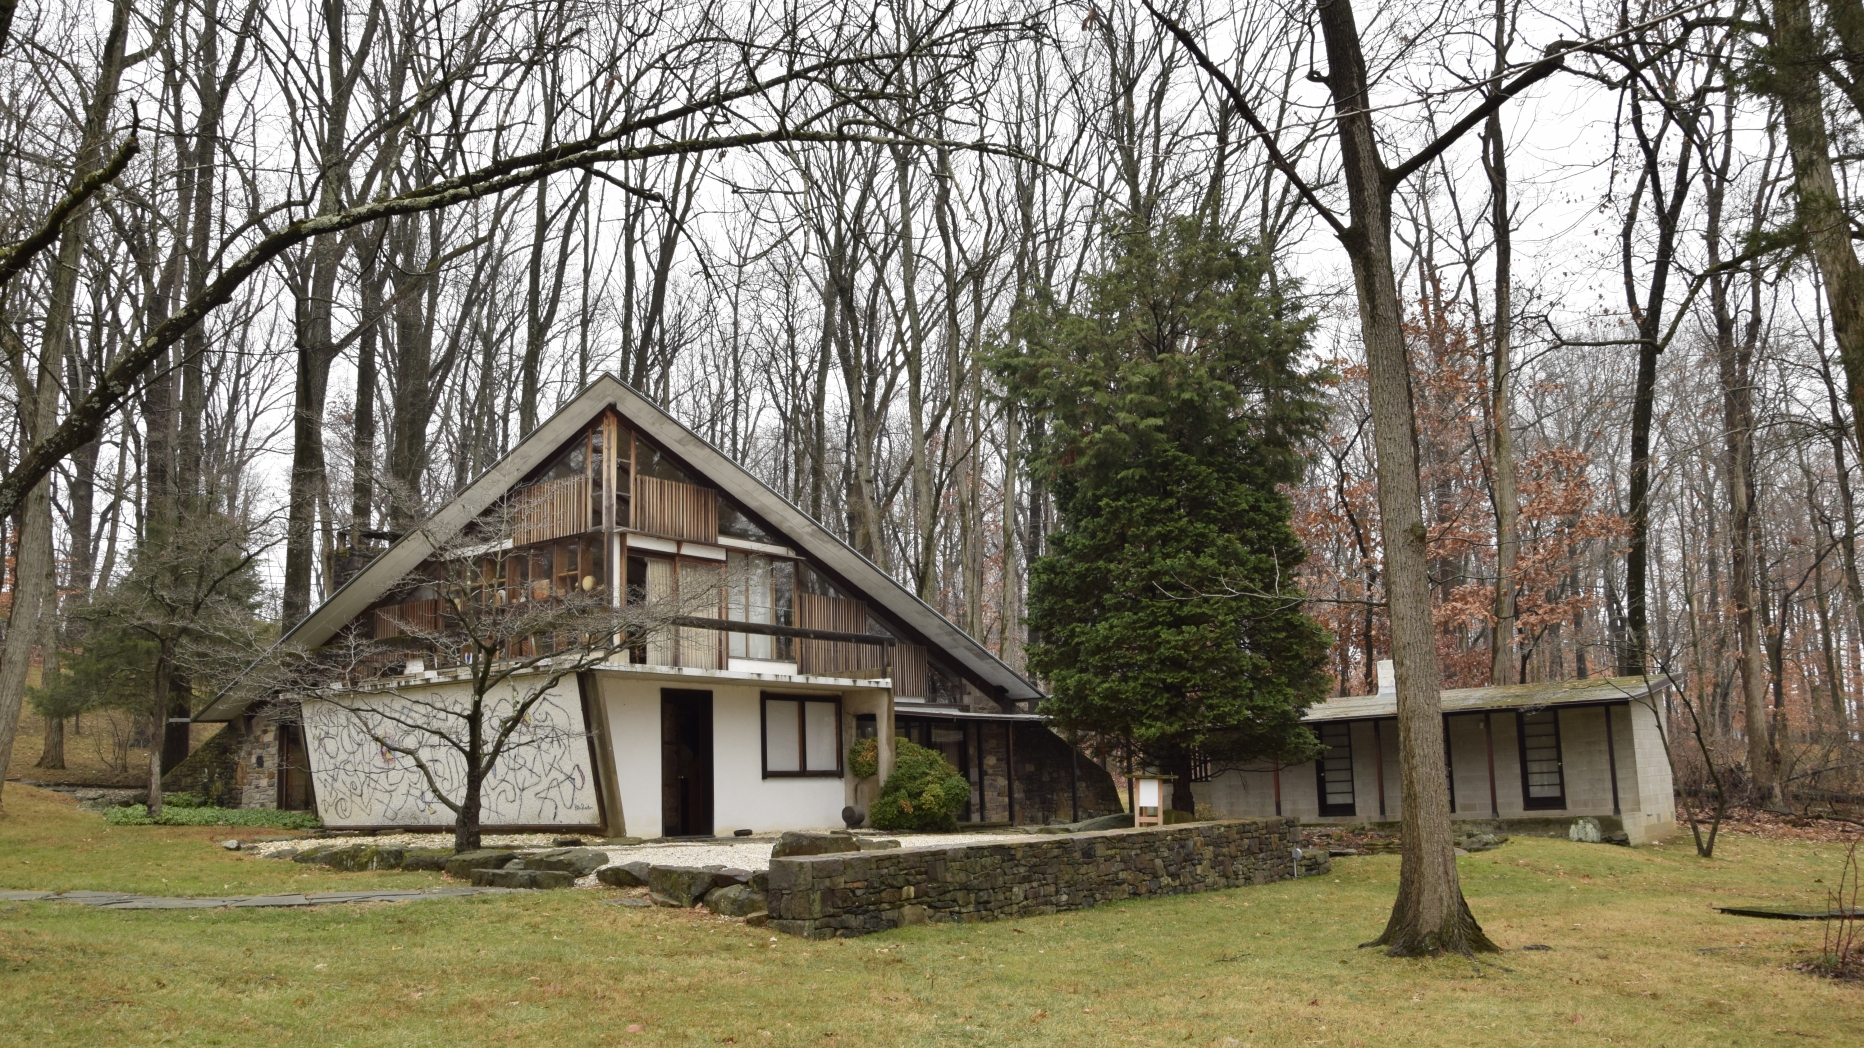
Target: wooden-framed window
[
  {"x": 1543, "y": 780},
  {"x": 1334, "y": 769},
  {"x": 802, "y": 736}
]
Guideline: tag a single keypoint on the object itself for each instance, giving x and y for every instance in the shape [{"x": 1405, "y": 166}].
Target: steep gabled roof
[{"x": 704, "y": 461}]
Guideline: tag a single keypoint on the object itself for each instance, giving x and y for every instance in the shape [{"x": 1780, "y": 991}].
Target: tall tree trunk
[
  {"x": 316, "y": 347},
  {"x": 1429, "y": 914},
  {"x": 34, "y": 563},
  {"x": 1795, "y": 79},
  {"x": 1734, "y": 362},
  {"x": 925, "y": 516},
  {"x": 1503, "y": 662}
]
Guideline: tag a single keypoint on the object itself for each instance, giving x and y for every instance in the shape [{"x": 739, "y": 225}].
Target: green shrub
[
  {"x": 138, "y": 815},
  {"x": 184, "y": 799},
  {"x": 864, "y": 759},
  {"x": 924, "y": 792}
]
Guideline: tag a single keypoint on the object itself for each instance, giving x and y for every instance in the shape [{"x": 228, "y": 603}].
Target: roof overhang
[{"x": 1590, "y": 692}]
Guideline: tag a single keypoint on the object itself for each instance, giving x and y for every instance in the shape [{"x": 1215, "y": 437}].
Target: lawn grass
[
  {"x": 1637, "y": 958},
  {"x": 47, "y": 843}
]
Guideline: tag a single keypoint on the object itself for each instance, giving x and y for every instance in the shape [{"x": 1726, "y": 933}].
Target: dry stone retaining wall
[{"x": 830, "y": 896}]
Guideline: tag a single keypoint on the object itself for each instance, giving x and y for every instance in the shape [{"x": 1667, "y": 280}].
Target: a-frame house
[{"x": 712, "y": 729}]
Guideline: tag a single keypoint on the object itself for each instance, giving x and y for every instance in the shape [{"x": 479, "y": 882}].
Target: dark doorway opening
[
  {"x": 685, "y": 763},
  {"x": 294, "y": 770}
]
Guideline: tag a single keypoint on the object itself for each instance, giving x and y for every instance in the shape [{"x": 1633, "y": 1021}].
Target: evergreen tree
[{"x": 1164, "y": 616}]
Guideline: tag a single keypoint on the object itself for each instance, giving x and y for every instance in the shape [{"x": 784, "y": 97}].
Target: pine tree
[{"x": 1164, "y": 616}]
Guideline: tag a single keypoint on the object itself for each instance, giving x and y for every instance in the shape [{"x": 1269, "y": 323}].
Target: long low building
[{"x": 1543, "y": 752}]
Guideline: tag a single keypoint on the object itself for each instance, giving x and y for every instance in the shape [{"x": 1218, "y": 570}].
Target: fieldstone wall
[
  {"x": 255, "y": 772},
  {"x": 212, "y": 770},
  {"x": 830, "y": 896}
]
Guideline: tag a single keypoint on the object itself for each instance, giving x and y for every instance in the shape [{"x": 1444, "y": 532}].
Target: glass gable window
[
  {"x": 1335, "y": 770},
  {"x": 1543, "y": 780},
  {"x": 802, "y": 736},
  {"x": 759, "y": 589}
]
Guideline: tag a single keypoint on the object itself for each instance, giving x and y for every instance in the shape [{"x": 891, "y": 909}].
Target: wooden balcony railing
[
  {"x": 909, "y": 672},
  {"x": 672, "y": 510},
  {"x": 549, "y": 510},
  {"x": 837, "y": 658},
  {"x": 415, "y": 616}
]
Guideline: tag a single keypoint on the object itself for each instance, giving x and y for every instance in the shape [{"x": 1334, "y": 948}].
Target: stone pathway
[{"x": 126, "y": 901}]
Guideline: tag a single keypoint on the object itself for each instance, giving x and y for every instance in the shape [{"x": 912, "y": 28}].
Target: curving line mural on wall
[{"x": 542, "y": 779}]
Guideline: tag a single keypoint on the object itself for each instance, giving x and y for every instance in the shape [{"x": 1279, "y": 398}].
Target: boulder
[
  {"x": 365, "y": 857},
  {"x": 1478, "y": 842},
  {"x": 626, "y": 875},
  {"x": 726, "y": 876},
  {"x": 230, "y": 845},
  {"x": 735, "y": 900},
  {"x": 875, "y": 844},
  {"x": 678, "y": 886},
  {"x": 310, "y": 854},
  {"x": 566, "y": 842},
  {"x": 434, "y": 859},
  {"x": 1586, "y": 830},
  {"x": 462, "y": 864},
  {"x": 577, "y": 862},
  {"x": 760, "y": 881},
  {"x": 794, "y": 843},
  {"x": 508, "y": 877},
  {"x": 619, "y": 842}
]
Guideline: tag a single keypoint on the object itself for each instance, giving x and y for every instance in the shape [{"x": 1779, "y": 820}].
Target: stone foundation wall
[
  {"x": 255, "y": 773},
  {"x": 212, "y": 770},
  {"x": 830, "y": 896}
]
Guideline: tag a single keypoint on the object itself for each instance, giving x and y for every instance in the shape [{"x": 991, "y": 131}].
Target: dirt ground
[{"x": 94, "y": 754}]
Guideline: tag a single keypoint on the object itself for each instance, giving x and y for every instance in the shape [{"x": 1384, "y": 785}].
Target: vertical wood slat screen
[
  {"x": 549, "y": 510},
  {"x": 416, "y": 615},
  {"x": 836, "y": 658},
  {"x": 909, "y": 671},
  {"x": 673, "y": 510}
]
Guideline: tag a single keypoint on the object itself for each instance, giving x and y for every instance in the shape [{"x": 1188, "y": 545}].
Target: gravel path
[
  {"x": 749, "y": 853},
  {"x": 126, "y": 901}
]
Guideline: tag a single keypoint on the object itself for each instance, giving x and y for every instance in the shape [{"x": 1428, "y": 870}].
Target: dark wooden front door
[
  {"x": 295, "y": 792},
  {"x": 685, "y": 763}
]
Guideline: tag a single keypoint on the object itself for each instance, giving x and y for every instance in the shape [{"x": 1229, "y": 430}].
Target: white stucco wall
[
  {"x": 741, "y": 797},
  {"x": 1643, "y": 773},
  {"x": 543, "y": 779}
]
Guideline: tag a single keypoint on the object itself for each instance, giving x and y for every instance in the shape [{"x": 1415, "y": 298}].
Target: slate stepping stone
[{"x": 522, "y": 878}]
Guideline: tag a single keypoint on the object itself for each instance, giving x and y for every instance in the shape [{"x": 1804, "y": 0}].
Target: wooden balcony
[
  {"x": 671, "y": 510},
  {"x": 413, "y": 617},
  {"x": 550, "y": 510},
  {"x": 837, "y": 658}
]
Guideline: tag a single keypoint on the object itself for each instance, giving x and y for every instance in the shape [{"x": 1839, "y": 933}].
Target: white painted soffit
[{"x": 407, "y": 552}]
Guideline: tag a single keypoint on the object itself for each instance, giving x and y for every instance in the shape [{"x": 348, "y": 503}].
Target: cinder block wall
[{"x": 840, "y": 896}]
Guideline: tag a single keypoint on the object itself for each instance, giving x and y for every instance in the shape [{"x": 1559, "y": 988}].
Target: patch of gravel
[{"x": 748, "y": 853}]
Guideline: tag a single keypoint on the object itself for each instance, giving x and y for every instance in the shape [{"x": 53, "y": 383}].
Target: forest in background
[{"x": 1636, "y": 439}]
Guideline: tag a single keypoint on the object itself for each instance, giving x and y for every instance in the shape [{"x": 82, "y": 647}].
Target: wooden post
[
  {"x": 1074, "y": 783},
  {"x": 1009, "y": 771},
  {"x": 1378, "y": 755},
  {"x": 1449, "y": 763},
  {"x": 1611, "y": 758},
  {"x": 1278, "y": 788},
  {"x": 1488, "y": 738}
]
